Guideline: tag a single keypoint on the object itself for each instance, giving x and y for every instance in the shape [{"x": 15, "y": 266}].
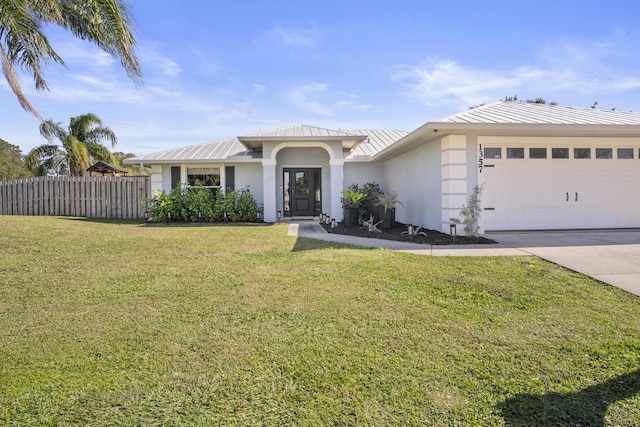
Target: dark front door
[{"x": 302, "y": 192}]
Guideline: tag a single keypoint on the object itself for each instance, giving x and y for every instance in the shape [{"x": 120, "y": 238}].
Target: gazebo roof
[{"x": 106, "y": 168}]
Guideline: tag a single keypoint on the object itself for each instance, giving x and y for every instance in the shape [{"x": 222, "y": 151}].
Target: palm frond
[
  {"x": 14, "y": 83},
  {"x": 107, "y": 23},
  {"x": 52, "y": 130},
  {"x": 44, "y": 160}
]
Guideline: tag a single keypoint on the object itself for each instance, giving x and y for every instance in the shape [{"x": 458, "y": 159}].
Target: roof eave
[
  {"x": 537, "y": 128},
  {"x": 133, "y": 161},
  {"x": 350, "y": 142},
  {"x": 432, "y": 130}
]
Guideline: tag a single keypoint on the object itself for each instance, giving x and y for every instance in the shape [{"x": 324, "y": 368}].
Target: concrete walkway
[{"x": 611, "y": 256}]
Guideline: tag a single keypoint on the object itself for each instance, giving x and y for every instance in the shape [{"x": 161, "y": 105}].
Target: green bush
[
  {"x": 199, "y": 204},
  {"x": 241, "y": 206}
]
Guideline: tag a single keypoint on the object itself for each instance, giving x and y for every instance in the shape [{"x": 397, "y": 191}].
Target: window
[
  {"x": 537, "y": 153},
  {"x": 582, "y": 153},
  {"x": 493, "y": 153},
  {"x": 604, "y": 153},
  {"x": 515, "y": 153},
  {"x": 203, "y": 177},
  {"x": 559, "y": 153},
  {"x": 625, "y": 153}
]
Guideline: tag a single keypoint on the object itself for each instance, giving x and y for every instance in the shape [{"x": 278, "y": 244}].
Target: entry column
[
  {"x": 337, "y": 176},
  {"x": 269, "y": 191}
]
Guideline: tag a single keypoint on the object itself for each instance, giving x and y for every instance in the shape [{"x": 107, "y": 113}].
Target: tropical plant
[
  {"x": 371, "y": 189},
  {"x": 388, "y": 200},
  {"x": 81, "y": 146},
  {"x": 23, "y": 44},
  {"x": 470, "y": 213},
  {"x": 353, "y": 197}
]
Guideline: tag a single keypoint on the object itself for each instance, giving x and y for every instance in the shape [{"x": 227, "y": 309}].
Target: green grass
[{"x": 116, "y": 323}]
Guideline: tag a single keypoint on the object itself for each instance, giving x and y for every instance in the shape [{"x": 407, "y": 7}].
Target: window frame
[
  {"x": 630, "y": 150},
  {"x": 553, "y": 151},
  {"x": 546, "y": 152},
  {"x": 513, "y": 150},
  {"x": 214, "y": 186},
  {"x": 492, "y": 157}
]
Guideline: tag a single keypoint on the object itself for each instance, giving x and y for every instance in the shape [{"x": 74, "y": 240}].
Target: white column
[
  {"x": 454, "y": 177},
  {"x": 184, "y": 178},
  {"x": 269, "y": 189},
  {"x": 337, "y": 177},
  {"x": 156, "y": 179}
]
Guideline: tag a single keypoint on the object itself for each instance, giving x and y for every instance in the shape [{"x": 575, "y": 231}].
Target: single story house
[{"x": 540, "y": 167}]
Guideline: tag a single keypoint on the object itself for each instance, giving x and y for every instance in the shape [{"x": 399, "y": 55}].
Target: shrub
[
  {"x": 199, "y": 204},
  {"x": 470, "y": 212}
]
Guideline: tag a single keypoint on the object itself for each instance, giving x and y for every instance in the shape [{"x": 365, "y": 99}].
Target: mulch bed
[{"x": 433, "y": 237}]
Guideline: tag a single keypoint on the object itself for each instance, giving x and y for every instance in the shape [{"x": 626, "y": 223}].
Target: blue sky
[{"x": 215, "y": 69}]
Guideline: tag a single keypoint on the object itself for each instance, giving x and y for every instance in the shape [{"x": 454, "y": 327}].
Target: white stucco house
[{"x": 541, "y": 167}]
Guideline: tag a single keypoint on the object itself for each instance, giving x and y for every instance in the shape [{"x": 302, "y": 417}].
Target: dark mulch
[{"x": 433, "y": 237}]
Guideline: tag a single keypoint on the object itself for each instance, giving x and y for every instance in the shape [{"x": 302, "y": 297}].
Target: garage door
[{"x": 559, "y": 186}]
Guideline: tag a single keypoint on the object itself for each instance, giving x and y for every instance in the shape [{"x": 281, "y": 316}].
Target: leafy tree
[
  {"x": 81, "y": 146},
  {"x": 118, "y": 158},
  {"x": 11, "y": 164},
  {"x": 23, "y": 44}
]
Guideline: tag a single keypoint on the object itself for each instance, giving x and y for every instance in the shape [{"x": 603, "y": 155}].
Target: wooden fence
[{"x": 82, "y": 196}]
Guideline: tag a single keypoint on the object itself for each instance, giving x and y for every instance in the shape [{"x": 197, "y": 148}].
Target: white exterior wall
[
  {"x": 157, "y": 179},
  {"x": 362, "y": 173},
  {"x": 249, "y": 175},
  {"x": 416, "y": 177},
  {"x": 166, "y": 177}
]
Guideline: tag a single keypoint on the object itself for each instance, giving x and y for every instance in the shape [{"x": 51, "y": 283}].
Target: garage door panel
[
  {"x": 626, "y": 218},
  {"x": 537, "y": 219},
  {"x": 561, "y": 218},
  {"x": 541, "y": 193}
]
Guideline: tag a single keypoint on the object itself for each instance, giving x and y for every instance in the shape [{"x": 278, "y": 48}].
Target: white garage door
[{"x": 559, "y": 186}]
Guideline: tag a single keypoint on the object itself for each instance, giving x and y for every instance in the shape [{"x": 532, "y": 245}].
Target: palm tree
[
  {"x": 107, "y": 23},
  {"x": 81, "y": 146}
]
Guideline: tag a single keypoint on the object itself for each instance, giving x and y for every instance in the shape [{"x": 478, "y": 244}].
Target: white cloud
[
  {"x": 317, "y": 98},
  {"x": 294, "y": 37},
  {"x": 258, "y": 88},
  {"x": 300, "y": 94},
  {"x": 150, "y": 57},
  {"x": 565, "y": 67}
]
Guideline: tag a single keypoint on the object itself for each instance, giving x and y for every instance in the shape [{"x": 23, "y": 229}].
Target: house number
[{"x": 480, "y": 159}]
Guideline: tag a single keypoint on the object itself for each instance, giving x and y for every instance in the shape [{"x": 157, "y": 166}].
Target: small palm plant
[{"x": 388, "y": 201}]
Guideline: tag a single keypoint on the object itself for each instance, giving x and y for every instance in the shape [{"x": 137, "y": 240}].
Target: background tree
[
  {"x": 80, "y": 146},
  {"x": 107, "y": 23},
  {"x": 118, "y": 158},
  {"x": 12, "y": 165}
]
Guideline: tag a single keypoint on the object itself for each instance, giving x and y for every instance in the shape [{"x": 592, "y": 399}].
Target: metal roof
[
  {"x": 377, "y": 140},
  {"x": 239, "y": 148},
  {"x": 505, "y": 112},
  {"x": 230, "y": 148},
  {"x": 301, "y": 131}
]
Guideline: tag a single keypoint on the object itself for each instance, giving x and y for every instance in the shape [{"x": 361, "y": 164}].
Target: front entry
[{"x": 302, "y": 190}]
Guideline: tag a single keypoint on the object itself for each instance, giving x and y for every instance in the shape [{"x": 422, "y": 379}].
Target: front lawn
[{"x": 116, "y": 323}]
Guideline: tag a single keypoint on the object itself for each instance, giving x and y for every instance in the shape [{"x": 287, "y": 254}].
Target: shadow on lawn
[
  {"x": 584, "y": 408},
  {"x": 308, "y": 244}
]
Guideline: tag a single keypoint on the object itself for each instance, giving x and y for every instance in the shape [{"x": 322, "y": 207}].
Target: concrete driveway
[{"x": 611, "y": 256}]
